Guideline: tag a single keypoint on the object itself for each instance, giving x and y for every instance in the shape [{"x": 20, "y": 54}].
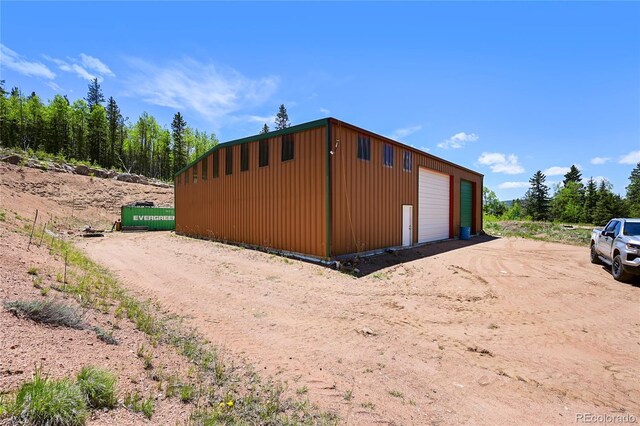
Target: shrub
[
  {"x": 48, "y": 402},
  {"x": 98, "y": 387},
  {"x": 48, "y": 312}
]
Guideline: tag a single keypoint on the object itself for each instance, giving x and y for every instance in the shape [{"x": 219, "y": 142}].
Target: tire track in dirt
[{"x": 430, "y": 321}]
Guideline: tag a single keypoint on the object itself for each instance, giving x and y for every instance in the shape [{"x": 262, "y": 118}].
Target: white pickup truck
[{"x": 618, "y": 245}]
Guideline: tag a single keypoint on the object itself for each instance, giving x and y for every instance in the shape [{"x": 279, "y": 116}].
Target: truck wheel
[
  {"x": 594, "y": 255},
  {"x": 617, "y": 270}
]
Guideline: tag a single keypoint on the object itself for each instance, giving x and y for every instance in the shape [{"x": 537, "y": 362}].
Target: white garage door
[{"x": 433, "y": 206}]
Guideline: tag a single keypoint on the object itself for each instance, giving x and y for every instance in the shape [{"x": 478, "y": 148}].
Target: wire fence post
[
  {"x": 33, "y": 227},
  {"x": 66, "y": 253},
  {"x": 44, "y": 228}
]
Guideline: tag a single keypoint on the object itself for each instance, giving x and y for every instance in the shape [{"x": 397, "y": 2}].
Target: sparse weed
[
  {"x": 396, "y": 394},
  {"x": 105, "y": 336},
  {"x": 187, "y": 393},
  {"x": 136, "y": 403},
  {"x": 32, "y": 270},
  {"x": 348, "y": 395},
  {"x": 368, "y": 405},
  {"x": 146, "y": 356},
  {"x": 302, "y": 391},
  {"x": 37, "y": 281}
]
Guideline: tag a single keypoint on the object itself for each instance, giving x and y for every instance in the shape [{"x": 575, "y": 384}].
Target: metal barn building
[{"x": 325, "y": 189}]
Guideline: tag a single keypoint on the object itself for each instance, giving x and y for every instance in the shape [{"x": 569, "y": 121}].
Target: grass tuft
[
  {"x": 47, "y": 312},
  {"x": 187, "y": 393},
  {"x": 98, "y": 387},
  {"x": 136, "y": 403},
  {"x": 48, "y": 402}
]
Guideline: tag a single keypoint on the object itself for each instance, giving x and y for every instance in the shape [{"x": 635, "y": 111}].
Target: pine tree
[
  {"x": 114, "y": 118},
  {"x": 94, "y": 95},
  {"x": 282, "y": 118},
  {"x": 573, "y": 175},
  {"x": 178, "y": 126},
  {"x": 97, "y": 128},
  {"x": 34, "y": 123},
  {"x": 59, "y": 134},
  {"x": 633, "y": 192},
  {"x": 567, "y": 204},
  {"x": 590, "y": 201},
  {"x": 265, "y": 129},
  {"x": 609, "y": 205},
  {"x": 536, "y": 200}
]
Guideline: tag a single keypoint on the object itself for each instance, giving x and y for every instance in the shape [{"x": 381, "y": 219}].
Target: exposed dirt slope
[
  {"x": 73, "y": 199},
  {"x": 62, "y": 352},
  {"x": 491, "y": 331}
]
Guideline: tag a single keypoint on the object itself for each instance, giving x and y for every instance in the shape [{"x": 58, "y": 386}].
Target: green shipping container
[
  {"x": 466, "y": 203},
  {"x": 154, "y": 218}
]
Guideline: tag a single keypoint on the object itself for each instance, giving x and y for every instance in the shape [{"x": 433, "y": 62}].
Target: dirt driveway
[{"x": 504, "y": 331}]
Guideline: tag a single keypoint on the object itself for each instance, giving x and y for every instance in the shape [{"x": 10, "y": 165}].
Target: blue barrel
[{"x": 465, "y": 232}]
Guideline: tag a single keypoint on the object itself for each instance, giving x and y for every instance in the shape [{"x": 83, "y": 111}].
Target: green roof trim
[{"x": 293, "y": 129}]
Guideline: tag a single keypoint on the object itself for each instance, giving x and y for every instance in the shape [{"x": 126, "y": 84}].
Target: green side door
[{"x": 466, "y": 203}]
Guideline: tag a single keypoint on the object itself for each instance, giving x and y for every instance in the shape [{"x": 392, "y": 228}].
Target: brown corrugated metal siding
[
  {"x": 367, "y": 196},
  {"x": 280, "y": 206},
  {"x": 284, "y": 205}
]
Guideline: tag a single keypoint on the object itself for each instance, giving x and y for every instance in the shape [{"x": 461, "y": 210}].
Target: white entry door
[
  {"x": 433, "y": 206},
  {"x": 407, "y": 225}
]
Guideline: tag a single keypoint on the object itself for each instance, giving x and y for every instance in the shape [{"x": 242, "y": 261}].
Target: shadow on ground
[{"x": 371, "y": 264}]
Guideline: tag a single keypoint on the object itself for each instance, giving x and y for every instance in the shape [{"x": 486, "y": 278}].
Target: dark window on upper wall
[
  {"x": 407, "y": 161},
  {"x": 205, "y": 168},
  {"x": 287, "y": 147},
  {"x": 195, "y": 173},
  {"x": 244, "y": 157},
  {"x": 264, "y": 152},
  {"x": 387, "y": 155},
  {"x": 364, "y": 147},
  {"x": 216, "y": 163},
  {"x": 228, "y": 160}
]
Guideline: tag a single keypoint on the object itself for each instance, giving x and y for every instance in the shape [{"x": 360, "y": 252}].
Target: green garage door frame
[{"x": 466, "y": 204}]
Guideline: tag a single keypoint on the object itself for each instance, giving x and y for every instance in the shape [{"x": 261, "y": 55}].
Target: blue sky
[{"x": 503, "y": 88}]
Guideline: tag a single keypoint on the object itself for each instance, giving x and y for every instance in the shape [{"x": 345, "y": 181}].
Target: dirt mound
[{"x": 75, "y": 200}]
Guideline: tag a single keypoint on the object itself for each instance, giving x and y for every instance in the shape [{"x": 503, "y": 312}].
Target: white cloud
[
  {"x": 404, "y": 132},
  {"x": 196, "y": 86},
  {"x": 54, "y": 86},
  {"x": 512, "y": 185},
  {"x": 96, "y": 64},
  {"x": 325, "y": 111},
  {"x": 74, "y": 69},
  {"x": 269, "y": 119},
  {"x": 600, "y": 160},
  {"x": 556, "y": 171},
  {"x": 14, "y": 61},
  {"x": 500, "y": 163},
  {"x": 631, "y": 158},
  {"x": 458, "y": 140}
]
